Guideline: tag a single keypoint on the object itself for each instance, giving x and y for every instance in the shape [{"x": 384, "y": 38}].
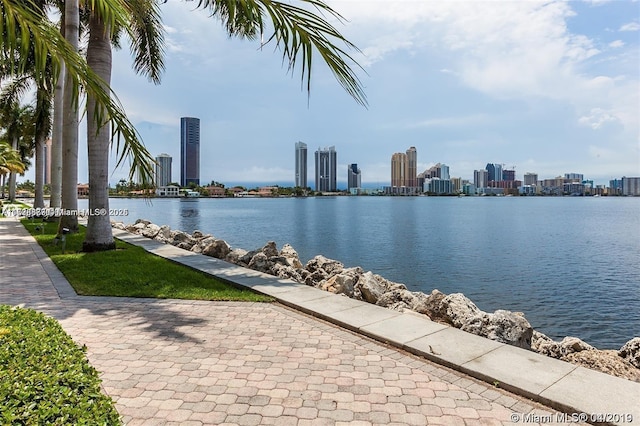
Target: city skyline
[{"x": 551, "y": 87}]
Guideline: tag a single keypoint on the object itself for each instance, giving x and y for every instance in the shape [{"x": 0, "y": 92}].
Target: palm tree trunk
[
  {"x": 56, "y": 141},
  {"x": 12, "y": 175},
  {"x": 69, "y": 218},
  {"x": 99, "y": 235}
]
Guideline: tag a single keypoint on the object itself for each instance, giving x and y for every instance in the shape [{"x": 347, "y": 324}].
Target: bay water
[{"x": 570, "y": 264}]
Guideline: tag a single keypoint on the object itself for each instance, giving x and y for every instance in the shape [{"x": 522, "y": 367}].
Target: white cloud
[
  {"x": 597, "y": 118},
  {"x": 617, "y": 43},
  {"x": 631, "y": 26}
]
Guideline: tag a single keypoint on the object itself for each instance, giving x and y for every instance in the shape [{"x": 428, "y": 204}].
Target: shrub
[{"x": 45, "y": 377}]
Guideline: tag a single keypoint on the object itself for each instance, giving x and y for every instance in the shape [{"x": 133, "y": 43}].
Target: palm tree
[
  {"x": 11, "y": 94},
  {"x": 22, "y": 27},
  {"x": 15, "y": 119},
  {"x": 9, "y": 162},
  {"x": 146, "y": 37},
  {"x": 69, "y": 193}
]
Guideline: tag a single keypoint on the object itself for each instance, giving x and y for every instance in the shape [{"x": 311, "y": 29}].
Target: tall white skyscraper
[
  {"x": 301, "y": 165},
  {"x": 163, "y": 170},
  {"x": 480, "y": 178},
  {"x": 326, "y": 169}
]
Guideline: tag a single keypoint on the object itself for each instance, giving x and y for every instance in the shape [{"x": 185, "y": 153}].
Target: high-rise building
[
  {"x": 412, "y": 167},
  {"x": 509, "y": 175},
  {"x": 163, "y": 170},
  {"x": 630, "y": 185},
  {"x": 480, "y": 178},
  {"x": 494, "y": 172},
  {"x": 574, "y": 177},
  {"x": 530, "y": 178},
  {"x": 404, "y": 169},
  {"x": 353, "y": 177},
  {"x": 326, "y": 169},
  {"x": 398, "y": 170},
  {"x": 301, "y": 165},
  {"x": 189, "y": 151}
]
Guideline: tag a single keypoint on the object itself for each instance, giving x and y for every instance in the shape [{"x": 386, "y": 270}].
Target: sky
[{"x": 547, "y": 87}]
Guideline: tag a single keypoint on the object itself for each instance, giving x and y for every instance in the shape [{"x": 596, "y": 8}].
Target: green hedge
[{"x": 45, "y": 378}]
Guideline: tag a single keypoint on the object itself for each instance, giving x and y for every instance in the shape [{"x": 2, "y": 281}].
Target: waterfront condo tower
[
  {"x": 189, "y": 151},
  {"x": 163, "y": 170},
  {"x": 404, "y": 169},
  {"x": 301, "y": 164},
  {"x": 353, "y": 177},
  {"x": 326, "y": 168}
]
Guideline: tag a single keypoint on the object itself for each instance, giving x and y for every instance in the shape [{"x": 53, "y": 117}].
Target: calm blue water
[{"x": 571, "y": 264}]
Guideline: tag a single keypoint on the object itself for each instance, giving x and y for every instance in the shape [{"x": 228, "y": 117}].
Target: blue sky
[{"x": 549, "y": 87}]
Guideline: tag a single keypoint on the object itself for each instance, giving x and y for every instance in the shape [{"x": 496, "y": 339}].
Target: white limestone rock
[
  {"x": 630, "y": 351},
  {"x": 217, "y": 248},
  {"x": 292, "y": 257}
]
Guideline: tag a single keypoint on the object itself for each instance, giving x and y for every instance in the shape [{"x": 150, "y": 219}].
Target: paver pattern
[{"x": 170, "y": 362}]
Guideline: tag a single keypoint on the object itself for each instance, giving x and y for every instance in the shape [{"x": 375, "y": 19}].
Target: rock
[
  {"x": 201, "y": 244},
  {"x": 144, "y": 222},
  {"x": 260, "y": 262},
  {"x": 270, "y": 249},
  {"x": 508, "y": 327},
  {"x": 246, "y": 259},
  {"x": 118, "y": 225},
  {"x": 218, "y": 249},
  {"x": 630, "y": 351},
  {"x": 164, "y": 234},
  {"x": 292, "y": 256},
  {"x": 431, "y": 305},
  {"x": 235, "y": 255},
  {"x": 397, "y": 298},
  {"x": 605, "y": 361},
  {"x": 371, "y": 287},
  {"x": 321, "y": 263},
  {"x": 569, "y": 345},
  {"x": 197, "y": 235},
  {"x": 150, "y": 231},
  {"x": 459, "y": 310},
  {"x": 339, "y": 284},
  {"x": 138, "y": 227},
  {"x": 314, "y": 278},
  {"x": 286, "y": 271}
]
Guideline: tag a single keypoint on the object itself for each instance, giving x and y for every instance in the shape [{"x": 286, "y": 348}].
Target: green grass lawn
[
  {"x": 45, "y": 378},
  {"x": 130, "y": 271}
]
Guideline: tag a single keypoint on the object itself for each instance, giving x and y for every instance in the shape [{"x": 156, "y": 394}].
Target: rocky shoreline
[{"x": 454, "y": 309}]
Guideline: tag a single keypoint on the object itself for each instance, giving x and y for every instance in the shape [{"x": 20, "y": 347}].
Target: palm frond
[
  {"x": 298, "y": 32},
  {"x": 147, "y": 38}
]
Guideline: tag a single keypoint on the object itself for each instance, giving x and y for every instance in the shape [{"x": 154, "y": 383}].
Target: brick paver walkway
[{"x": 169, "y": 362}]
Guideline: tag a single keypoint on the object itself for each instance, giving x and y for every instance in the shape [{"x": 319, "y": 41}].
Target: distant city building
[
  {"x": 301, "y": 165},
  {"x": 189, "y": 151},
  {"x": 163, "y": 170},
  {"x": 353, "y": 177},
  {"x": 494, "y": 172},
  {"x": 168, "y": 191},
  {"x": 456, "y": 185},
  {"x": 438, "y": 186},
  {"x": 404, "y": 169},
  {"x": 530, "y": 178},
  {"x": 399, "y": 170},
  {"x": 509, "y": 175},
  {"x": 326, "y": 169},
  {"x": 412, "y": 167},
  {"x": 574, "y": 177},
  {"x": 480, "y": 179},
  {"x": 615, "y": 187},
  {"x": 631, "y": 186}
]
